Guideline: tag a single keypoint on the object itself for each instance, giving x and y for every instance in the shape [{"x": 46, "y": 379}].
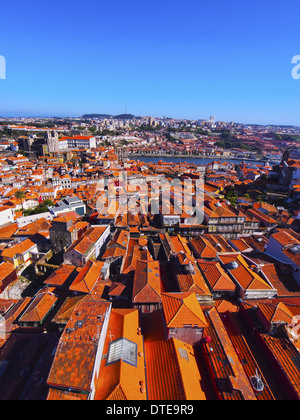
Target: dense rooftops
[{"x": 140, "y": 306}]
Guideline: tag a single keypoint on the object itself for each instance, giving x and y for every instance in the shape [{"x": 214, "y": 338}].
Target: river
[{"x": 197, "y": 161}]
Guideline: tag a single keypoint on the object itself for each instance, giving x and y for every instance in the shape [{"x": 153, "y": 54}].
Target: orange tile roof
[
  {"x": 117, "y": 246},
  {"x": 240, "y": 245},
  {"x": 225, "y": 305},
  {"x": 179, "y": 380},
  {"x": 219, "y": 243},
  {"x": 87, "y": 277},
  {"x": 5, "y": 270},
  {"x": 86, "y": 242},
  {"x": 182, "y": 309},
  {"x": 249, "y": 363},
  {"x": 147, "y": 282},
  {"x": 6, "y": 304},
  {"x": 136, "y": 250},
  {"x": 66, "y": 217},
  {"x": 220, "y": 348},
  {"x": 286, "y": 356},
  {"x": 216, "y": 277},
  {"x": 120, "y": 380},
  {"x": 192, "y": 281},
  {"x": 243, "y": 274},
  {"x": 74, "y": 361},
  {"x": 180, "y": 245},
  {"x": 275, "y": 313},
  {"x": 19, "y": 248},
  {"x": 40, "y": 225},
  {"x": 65, "y": 311},
  {"x": 60, "y": 275},
  {"x": 40, "y": 306},
  {"x": 8, "y": 231},
  {"x": 203, "y": 248}
]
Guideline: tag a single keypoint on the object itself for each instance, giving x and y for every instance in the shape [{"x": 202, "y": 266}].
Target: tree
[
  {"x": 231, "y": 196},
  {"x": 41, "y": 208},
  {"x": 19, "y": 196}
]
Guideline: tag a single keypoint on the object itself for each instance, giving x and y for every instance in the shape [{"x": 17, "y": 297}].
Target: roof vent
[{"x": 257, "y": 383}]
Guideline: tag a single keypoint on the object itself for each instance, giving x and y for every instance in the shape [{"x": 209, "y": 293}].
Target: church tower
[{"x": 52, "y": 141}]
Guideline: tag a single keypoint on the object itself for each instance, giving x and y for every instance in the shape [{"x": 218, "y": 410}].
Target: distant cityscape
[
  {"x": 145, "y": 136},
  {"x": 117, "y": 284}
]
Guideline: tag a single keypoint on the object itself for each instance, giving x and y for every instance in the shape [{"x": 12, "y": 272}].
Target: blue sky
[{"x": 182, "y": 59}]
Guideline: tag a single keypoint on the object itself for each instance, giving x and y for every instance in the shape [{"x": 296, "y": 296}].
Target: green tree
[
  {"x": 231, "y": 196},
  {"x": 20, "y": 195}
]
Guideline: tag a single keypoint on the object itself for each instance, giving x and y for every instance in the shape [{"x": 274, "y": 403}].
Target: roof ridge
[
  {"x": 170, "y": 296},
  {"x": 282, "y": 307},
  {"x": 188, "y": 307}
]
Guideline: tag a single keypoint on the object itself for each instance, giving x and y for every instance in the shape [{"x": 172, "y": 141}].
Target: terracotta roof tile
[
  {"x": 179, "y": 380},
  {"x": 74, "y": 360},
  {"x": 60, "y": 275},
  {"x": 147, "y": 282},
  {"x": 39, "y": 308},
  {"x": 216, "y": 277},
  {"x": 182, "y": 309},
  {"x": 120, "y": 380},
  {"x": 87, "y": 277},
  {"x": 243, "y": 274}
]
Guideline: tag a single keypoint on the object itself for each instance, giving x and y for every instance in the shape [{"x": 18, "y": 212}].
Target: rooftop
[
  {"x": 180, "y": 380},
  {"x": 122, "y": 370},
  {"x": 75, "y": 355},
  {"x": 181, "y": 309}
]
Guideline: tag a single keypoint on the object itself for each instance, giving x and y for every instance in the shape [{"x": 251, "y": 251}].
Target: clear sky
[{"x": 182, "y": 59}]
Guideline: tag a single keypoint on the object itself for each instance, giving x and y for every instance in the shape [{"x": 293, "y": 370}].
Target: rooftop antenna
[{"x": 110, "y": 335}]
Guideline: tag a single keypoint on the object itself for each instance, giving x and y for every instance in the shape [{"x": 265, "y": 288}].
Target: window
[{"x": 122, "y": 349}]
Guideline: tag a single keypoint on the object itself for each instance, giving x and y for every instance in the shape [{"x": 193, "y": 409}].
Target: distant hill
[
  {"x": 124, "y": 117},
  {"x": 93, "y": 116},
  {"x": 118, "y": 117}
]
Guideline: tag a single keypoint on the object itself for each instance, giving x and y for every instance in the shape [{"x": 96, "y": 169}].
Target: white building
[
  {"x": 23, "y": 221},
  {"x": 6, "y": 216},
  {"x": 77, "y": 142}
]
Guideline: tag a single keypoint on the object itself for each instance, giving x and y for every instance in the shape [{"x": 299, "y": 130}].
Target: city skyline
[
  {"x": 112, "y": 117},
  {"x": 230, "y": 60}
]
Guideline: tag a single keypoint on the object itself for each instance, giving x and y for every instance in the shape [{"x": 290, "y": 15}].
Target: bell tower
[{"x": 52, "y": 141}]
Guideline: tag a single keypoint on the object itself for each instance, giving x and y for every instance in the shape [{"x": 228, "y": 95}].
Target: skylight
[
  {"x": 184, "y": 354},
  {"x": 295, "y": 249},
  {"x": 122, "y": 349}
]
